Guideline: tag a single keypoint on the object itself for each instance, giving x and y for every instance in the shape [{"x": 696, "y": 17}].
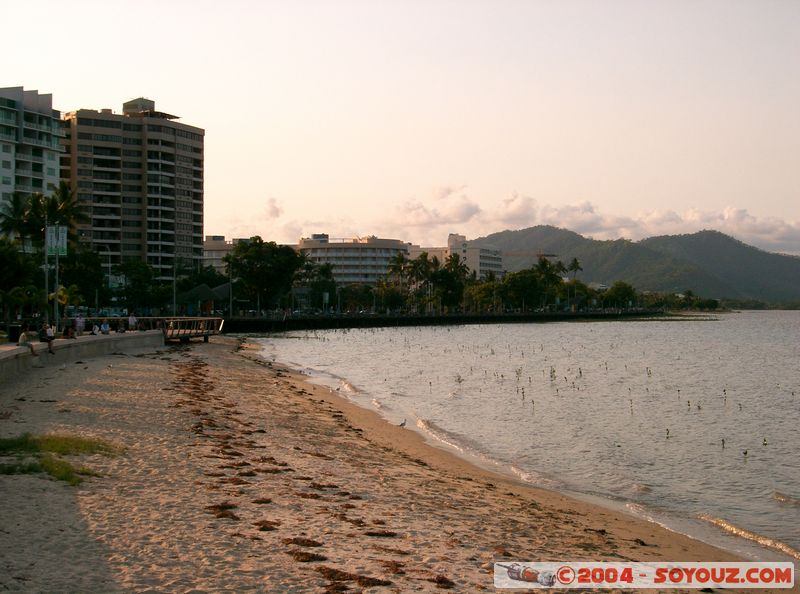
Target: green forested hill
[{"x": 708, "y": 263}]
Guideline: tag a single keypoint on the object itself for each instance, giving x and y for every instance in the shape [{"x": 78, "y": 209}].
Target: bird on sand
[{"x": 403, "y": 424}]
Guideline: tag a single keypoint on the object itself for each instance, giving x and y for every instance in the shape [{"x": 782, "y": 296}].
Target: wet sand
[{"x": 240, "y": 476}]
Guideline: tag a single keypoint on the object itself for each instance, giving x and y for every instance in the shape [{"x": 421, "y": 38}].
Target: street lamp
[
  {"x": 108, "y": 275},
  {"x": 108, "y": 250}
]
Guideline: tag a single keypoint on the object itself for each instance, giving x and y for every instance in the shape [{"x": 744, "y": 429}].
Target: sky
[{"x": 418, "y": 118}]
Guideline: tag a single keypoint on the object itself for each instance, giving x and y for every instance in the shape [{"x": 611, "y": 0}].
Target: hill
[
  {"x": 709, "y": 263},
  {"x": 756, "y": 273}
]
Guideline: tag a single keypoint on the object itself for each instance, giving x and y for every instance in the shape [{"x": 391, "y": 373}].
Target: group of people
[{"x": 47, "y": 332}]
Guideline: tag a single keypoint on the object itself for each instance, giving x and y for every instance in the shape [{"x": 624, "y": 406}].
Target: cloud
[
  {"x": 767, "y": 233},
  {"x": 444, "y": 192},
  {"x": 517, "y": 211},
  {"x": 273, "y": 210},
  {"x": 450, "y": 210}
]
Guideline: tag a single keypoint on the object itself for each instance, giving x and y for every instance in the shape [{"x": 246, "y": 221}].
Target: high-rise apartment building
[
  {"x": 138, "y": 176},
  {"x": 30, "y": 131}
]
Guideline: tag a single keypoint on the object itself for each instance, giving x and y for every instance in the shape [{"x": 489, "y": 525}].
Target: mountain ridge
[{"x": 708, "y": 262}]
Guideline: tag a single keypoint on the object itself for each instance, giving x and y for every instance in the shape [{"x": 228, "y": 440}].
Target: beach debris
[
  {"x": 267, "y": 525},
  {"x": 302, "y": 542},
  {"x": 305, "y": 556},
  {"x": 223, "y": 510},
  {"x": 442, "y": 582},
  {"x": 337, "y": 575},
  {"x": 392, "y": 566},
  {"x": 262, "y": 501},
  {"x": 381, "y": 533}
]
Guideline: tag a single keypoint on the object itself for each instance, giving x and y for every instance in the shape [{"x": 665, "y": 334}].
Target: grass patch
[
  {"x": 45, "y": 447},
  {"x": 62, "y": 470},
  {"x": 57, "y": 444},
  {"x": 21, "y": 468}
]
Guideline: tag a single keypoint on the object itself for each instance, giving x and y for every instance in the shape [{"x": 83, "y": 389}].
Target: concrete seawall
[{"x": 16, "y": 360}]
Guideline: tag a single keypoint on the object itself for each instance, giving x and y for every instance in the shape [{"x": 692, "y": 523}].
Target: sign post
[{"x": 56, "y": 242}]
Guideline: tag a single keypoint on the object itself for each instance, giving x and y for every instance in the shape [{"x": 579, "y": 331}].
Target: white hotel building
[{"x": 361, "y": 260}]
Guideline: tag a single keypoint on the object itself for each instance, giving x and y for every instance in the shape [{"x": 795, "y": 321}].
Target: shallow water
[{"x": 632, "y": 412}]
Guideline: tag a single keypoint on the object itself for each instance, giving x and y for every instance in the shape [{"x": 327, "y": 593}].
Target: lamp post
[{"x": 108, "y": 274}]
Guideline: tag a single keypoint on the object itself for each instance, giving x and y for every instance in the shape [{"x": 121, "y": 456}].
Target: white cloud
[
  {"x": 454, "y": 211},
  {"x": 450, "y": 209}
]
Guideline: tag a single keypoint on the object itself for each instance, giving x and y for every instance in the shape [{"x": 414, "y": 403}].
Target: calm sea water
[{"x": 633, "y": 413}]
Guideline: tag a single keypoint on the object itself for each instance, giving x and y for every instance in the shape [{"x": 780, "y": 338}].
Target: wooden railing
[{"x": 185, "y": 328}]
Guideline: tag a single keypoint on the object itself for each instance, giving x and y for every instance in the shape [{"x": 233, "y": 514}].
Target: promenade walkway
[{"x": 18, "y": 359}]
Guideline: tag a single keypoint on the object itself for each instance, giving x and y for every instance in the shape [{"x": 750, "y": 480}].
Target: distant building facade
[
  {"x": 30, "y": 143},
  {"x": 362, "y": 260},
  {"x": 215, "y": 248},
  {"x": 483, "y": 260},
  {"x": 138, "y": 176}
]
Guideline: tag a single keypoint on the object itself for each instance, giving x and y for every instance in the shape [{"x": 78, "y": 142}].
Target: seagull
[
  {"x": 403, "y": 424},
  {"x": 744, "y": 452}
]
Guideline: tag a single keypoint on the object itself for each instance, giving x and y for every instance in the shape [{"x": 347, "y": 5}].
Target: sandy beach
[{"x": 238, "y": 475}]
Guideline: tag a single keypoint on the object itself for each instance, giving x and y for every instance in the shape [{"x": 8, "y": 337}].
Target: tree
[
  {"x": 574, "y": 267},
  {"x": 137, "y": 291},
  {"x": 450, "y": 281},
  {"x": 621, "y": 294},
  {"x": 399, "y": 268},
  {"x": 82, "y": 267},
  {"x": 204, "y": 275},
  {"x": 549, "y": 275},
  {"x": 522, "y": 289},
  {"x": 265, "y": 269},
  {"x": 13, "y": 217},
  {"x": 317, "y": 279}
]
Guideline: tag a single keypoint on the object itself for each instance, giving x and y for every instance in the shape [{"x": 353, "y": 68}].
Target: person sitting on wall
[
  {"x": 104, "y": 327},
  {"x": 69, "y": 332},
  {"x": 46, "y": 334},
  {"x": 24, "y": 340}
]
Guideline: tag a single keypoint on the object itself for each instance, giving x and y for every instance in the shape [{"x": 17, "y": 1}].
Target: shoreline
[
  {"x": 687, "y": 526},
  {"x": 241, "y": 475},
  {"x": 446, "y": 458}
]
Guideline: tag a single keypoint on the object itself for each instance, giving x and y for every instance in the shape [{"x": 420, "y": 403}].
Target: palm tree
[
  {"x": 574, "y": 267},
  {"x": 13, "y": 216},
  {"x": 398, "y": 266},
  {"x": 59, "y": 208},
  {"x": 549, "y": 274}
]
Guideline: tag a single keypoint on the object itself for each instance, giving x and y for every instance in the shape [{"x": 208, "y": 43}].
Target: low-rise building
[{"x": 215, "y": 248}]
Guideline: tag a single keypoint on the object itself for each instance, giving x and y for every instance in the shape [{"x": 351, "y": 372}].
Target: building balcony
[
  {"x": 48, "y": 144},
  {"x": 38, "y": 127}
]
